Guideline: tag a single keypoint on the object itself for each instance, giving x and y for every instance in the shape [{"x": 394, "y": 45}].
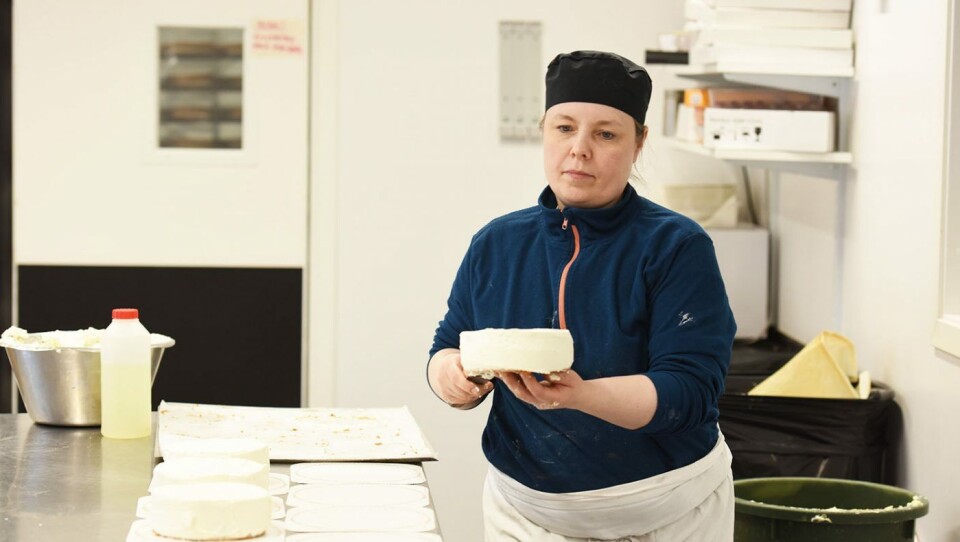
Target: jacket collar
[{"x": 592, "y": 223}]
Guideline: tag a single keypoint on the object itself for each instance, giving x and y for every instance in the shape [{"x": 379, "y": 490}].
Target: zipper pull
[{"x": 565, "y": 222}]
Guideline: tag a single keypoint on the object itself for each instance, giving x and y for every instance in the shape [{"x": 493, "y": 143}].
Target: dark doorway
[
  {"x": 237, "y": 331},
  {"x": 6, "y": 190}
]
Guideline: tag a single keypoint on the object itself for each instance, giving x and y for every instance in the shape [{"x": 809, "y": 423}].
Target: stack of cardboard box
[{"x": 802, "y": 36}]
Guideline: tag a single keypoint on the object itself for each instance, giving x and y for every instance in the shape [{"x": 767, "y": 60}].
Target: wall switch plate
[{"x": 520, "y": 81}]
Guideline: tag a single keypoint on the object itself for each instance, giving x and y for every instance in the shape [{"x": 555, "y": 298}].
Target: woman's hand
[
  {"x": 627, "y": 401},
  {"x": 450, "y": 383},
  {"x": 556, "y": 390}
]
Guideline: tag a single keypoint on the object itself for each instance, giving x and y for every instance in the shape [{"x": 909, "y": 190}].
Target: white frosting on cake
[
  {"x": 243, "y": 448},
  {"x": 191, "y": 470},
  {"x": 533, "y": 350},
  {"x": 209, "y": 511}
]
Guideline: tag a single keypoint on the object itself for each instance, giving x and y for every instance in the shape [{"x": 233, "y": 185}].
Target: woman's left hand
[
  {"x": 627, "y": 401},
  {"x": 556, "y": 390}
]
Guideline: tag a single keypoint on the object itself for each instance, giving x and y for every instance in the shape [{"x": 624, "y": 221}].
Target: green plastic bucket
[{"x": 824, "y": 510}]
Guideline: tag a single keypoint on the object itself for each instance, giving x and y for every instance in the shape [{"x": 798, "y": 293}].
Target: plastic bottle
[{"x": 125, "y": 377}]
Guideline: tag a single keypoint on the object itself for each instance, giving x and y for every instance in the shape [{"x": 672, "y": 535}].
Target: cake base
[
  {"x": 209, "y": 511},
  {"x": 242, "y": 447},
  {"x": 192, "y": 470}
]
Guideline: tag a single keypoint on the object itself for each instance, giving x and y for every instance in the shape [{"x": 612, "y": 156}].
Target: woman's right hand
[{"x": 451, "y": 384}]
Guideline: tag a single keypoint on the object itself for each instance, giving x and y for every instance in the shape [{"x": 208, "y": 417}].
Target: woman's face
[{"x": 588, "y": 152}]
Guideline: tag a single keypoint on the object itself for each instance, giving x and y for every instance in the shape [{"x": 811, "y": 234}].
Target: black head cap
[{"x": 602, "y": 78}]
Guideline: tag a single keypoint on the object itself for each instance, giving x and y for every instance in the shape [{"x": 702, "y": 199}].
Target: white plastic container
[
  {"x": 125, "y": 377},
  {"x": 769, "y": 129}
]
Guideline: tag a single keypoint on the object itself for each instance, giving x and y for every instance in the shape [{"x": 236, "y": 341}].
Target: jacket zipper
[{"x": 566, "y": 269}]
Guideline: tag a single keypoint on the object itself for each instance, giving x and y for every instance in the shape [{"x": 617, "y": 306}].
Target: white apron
[{"x": 693, "y": 503}]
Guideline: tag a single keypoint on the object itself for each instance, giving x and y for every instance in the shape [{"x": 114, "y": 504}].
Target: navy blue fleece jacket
[{"x": 643, "y": 295}]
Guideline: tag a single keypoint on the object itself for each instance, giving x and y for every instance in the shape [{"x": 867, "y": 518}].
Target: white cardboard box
[
  {"x": 769, "y": 129},
  {"x": 743, "y": 254},
  {"x": 712, "y": 205}
]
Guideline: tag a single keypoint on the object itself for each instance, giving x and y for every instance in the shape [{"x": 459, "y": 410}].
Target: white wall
[
  {"x": 891, "y": 252},
  {"x": 808, "y": 235},
  {"x": 419, "y": 168},
  {"x": 893, "y": 255}
]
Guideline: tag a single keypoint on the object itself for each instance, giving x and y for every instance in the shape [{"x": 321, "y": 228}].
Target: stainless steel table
[{"x": 68, "y": 484}]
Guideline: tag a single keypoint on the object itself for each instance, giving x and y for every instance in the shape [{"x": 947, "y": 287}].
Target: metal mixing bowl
[{"x": 62, "y": 387}]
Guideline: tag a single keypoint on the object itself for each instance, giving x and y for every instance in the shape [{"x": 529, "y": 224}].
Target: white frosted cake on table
[
  {"x": 532, "y": 350},
  {"x": 191, "y": 470},
  {"x": 243, "y": 448},
  {"x": 209, "y": 511}
]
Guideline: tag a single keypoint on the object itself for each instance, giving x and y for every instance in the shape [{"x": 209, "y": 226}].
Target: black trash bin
[{"x": 851, "y": 439}]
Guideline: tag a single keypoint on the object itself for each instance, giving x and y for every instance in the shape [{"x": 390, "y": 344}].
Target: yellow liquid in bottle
[{"x": 125, "y": 400}]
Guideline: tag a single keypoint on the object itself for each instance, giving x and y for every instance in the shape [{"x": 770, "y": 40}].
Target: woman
[{"x": 625, "y": 445}]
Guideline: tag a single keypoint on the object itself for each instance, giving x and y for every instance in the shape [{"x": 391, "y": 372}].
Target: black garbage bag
[{"x": 829, "y": 438}]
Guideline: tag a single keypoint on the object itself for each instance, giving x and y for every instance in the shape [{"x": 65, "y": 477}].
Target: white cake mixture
[
  {"x": 243, "y": 448},
  {"x": 15, "y": 337},
  {"x": 533, "y": 350},
  {"x": 189, "y": 470},
  {"x": 209, "y": 511}
]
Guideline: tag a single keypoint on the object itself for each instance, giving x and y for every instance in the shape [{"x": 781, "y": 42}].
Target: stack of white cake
[{"x": 211, "y": 489}]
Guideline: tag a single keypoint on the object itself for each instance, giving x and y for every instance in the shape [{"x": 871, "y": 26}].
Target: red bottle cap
[{"x": 125, "y": 314}]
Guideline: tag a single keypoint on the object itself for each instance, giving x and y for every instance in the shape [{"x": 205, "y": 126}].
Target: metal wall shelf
[
  {"x": 832, "y": 82},
  {"x": 825, "y": 164}
]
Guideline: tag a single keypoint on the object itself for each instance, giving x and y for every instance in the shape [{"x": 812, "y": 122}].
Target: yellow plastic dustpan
[{"x": 823, "y": 369}]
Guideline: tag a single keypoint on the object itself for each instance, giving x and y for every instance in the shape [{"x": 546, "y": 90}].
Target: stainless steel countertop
[
  {"x": 68, "y": 484},
  {"x": 65, "y": 484}
]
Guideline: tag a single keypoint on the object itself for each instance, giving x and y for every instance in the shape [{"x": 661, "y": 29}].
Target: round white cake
[
  {"x": 531, "y": 350},
  {"x": 209, "y": 511},
  {"x": 243, "y": 448},
  {"x": 191, "y": 470}
]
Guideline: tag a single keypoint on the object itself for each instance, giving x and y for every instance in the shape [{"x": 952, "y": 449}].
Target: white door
[{"x": 160, "y": 132}]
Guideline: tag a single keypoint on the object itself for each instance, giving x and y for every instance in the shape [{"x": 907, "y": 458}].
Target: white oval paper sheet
[
  {"x": 356, "y": 473},
  {"x": 278, "y": 510},
  {"x": 278, "y": 484},
  {"x": 334, "y": 519},
  {"x": 140, "y": 531},
  {"x": 358, "y": 495},
  {"x": 364, "y": 537}
]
